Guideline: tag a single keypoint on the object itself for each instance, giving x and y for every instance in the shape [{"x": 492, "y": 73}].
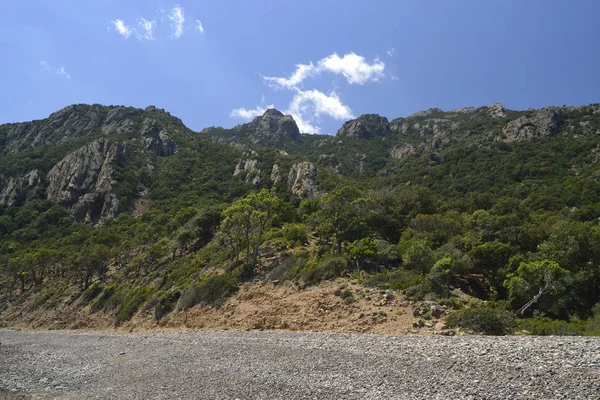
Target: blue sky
[{"x": 323, "y": 61}]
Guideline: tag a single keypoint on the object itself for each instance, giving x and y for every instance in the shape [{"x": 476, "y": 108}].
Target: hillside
[{"x": 488, "y": 214}]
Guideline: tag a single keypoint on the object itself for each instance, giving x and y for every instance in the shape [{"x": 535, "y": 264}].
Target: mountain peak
[{"x": 274, "y": 123}]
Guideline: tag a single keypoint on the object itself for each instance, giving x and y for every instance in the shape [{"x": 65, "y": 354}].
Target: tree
[
  {"x": 361, "y": 250},
  {"x": 343, "y": 215},
  {"x": 536, "y": 279},
  {"x": 246, "y": 222}
]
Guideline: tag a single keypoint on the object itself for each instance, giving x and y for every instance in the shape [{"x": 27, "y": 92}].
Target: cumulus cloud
[
  {"x": 62, "y": 72},
  {"x": 390, "y": 52},
  {"x": 122, "y": 29},
  {"x": 146, "y": 30},
  {"x": 302, "y": 72},
  {"x": 248, "y": 114},
  {"x": 199, "y": 26},
  {"x": 356, "y": 69},
  {"x": 308, "y": 106},
  {"x": 177, "y": 19}
]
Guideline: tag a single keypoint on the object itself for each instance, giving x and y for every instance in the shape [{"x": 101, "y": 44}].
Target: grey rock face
[
  {"x": 248, "y": 166},
  {"x": 70, "y": 122},
  {"x": 82, "y": 181},
  {"x": 331, "y": 161},
  {"x": 403, "y": 151},
  {"x": 156, "y": 138},
  {"x": 275, "y": 174},
  {"x": 302, "y": 180},
  {"x": 273, "y": 124},
  {"x": 365, "y": 126},
  {"x": 496, "y": 110},
  {"x": 79, "y": 120},
  {"x": 12, "y": 194},
  {"x": 541, "y": 123}
]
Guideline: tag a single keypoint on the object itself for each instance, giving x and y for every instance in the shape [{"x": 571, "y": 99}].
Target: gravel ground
[{"x": 276, "y": 365}]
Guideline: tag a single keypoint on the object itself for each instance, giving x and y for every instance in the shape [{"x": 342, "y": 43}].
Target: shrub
[
  {"x": 91, "y": 293},
  {"x": 317, "y": 271},
  {"x": 398, "y": 279},
  {"x": 490, "y": 318},
  {"x": 107, "y": 299},
  {"x": 165, "y": 304},
  {"x": 211, "y": 290},
  {"x": 132, "y": 301},
  {"x": 544, "y": 326},
  {"x": 295, "y": 233}
]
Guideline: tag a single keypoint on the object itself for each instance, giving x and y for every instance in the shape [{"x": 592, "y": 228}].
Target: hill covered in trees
[{"x": 121, "y": 210}]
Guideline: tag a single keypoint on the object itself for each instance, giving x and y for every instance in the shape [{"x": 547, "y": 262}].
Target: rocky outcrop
[
  {"x": 302, "y": 180},
  {"x": 403, "y": 151},
  {"x": 426, "y": 113},
  {"x": 80, "y": 120},
  {"x": 331, "y": 162},
  {"x": 496, "y": 110},
  {"x": 540, "y": 123},
  {"x": 83, "y": 181},
  {"x": 14, "y": 192},
  {"x": 274, "y": 124},
  {"x": 275, "y": 174},
  {"x": 365, "y": 126},
  {"x": 156, "y": 138},
  {"x": 248, "y": 168}
]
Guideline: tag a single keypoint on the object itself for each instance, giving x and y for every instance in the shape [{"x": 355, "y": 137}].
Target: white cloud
[
  {"x": 147, "y": 28},
  {"x": 177, "y": 19},
  {"x": 248, "y": 114},
  {"x": 122, "y": 29},
  {"x": 302, "y": 72},
  {"x": 62, "y": 72},
  {"x": 199, "y": 26},
  {"x": 390, "y": 52},
  {"x": 308, "y": 106},
  {"x": 45, "y": 65},
  {"x": 353, "y": 67}
]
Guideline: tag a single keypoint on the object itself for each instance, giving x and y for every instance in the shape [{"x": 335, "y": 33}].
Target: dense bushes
[
  {"x": 210, "y": 290},
  {"x": 489, "y": 318}
]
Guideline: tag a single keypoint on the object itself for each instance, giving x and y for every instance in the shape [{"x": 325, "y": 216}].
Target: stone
[
  {"x": 83, "y": 181},
  {"x": 403, "y": 151},
  {"x": 365, "y": 126},
  {"x": 249, "y": 168},
  {"x": 274, "y": 123},
  {"x": 15, "y": 191},
  {"x": 540, "y": 123},
  {"x": 496, "y": 110},
  {"x": 302, "y": 180}
]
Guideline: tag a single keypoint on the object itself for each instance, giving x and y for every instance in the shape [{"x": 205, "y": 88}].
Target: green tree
[
  {"x": 246, "y": 222},
  {"x": 535, "y": 279}
]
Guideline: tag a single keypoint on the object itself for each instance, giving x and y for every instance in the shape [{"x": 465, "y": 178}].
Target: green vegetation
[{"x": 515, "y": 224}]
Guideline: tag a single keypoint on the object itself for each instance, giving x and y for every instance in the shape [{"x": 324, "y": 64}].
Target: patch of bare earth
[{"x": 259, "y": 305}]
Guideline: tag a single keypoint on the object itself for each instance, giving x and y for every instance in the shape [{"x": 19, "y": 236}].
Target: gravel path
[{"x": 274, "y": 365}]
